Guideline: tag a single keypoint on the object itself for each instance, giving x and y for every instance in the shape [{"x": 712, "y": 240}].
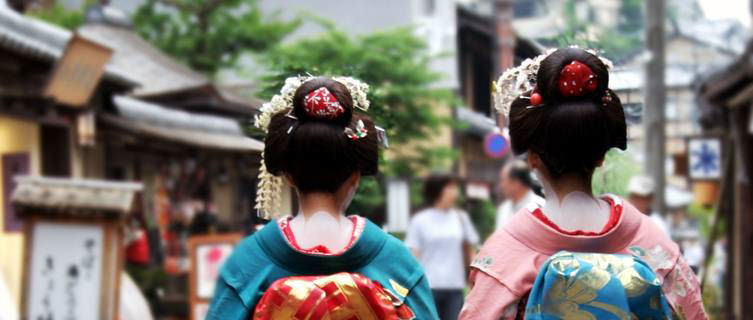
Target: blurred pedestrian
[
  {"x": 693, "y": 250},
  {"x": 641, "y": 195},
  {"x": 136, "y": 244},
  {"x": 583, "y": 244},
  {"x": 443, "y": 237},
  {"x": 305, "y": 263},
  {"x": 205, "y": 221},
  {"x": 516, "y": 184}
]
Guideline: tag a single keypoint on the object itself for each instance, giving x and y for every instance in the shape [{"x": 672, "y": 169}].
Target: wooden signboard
[
  {"x": 207, "y": 253},
  {"x": 78, "y": 73},
  {"x": 73, "y": 251},
  {"x": 72, "y": 269}
]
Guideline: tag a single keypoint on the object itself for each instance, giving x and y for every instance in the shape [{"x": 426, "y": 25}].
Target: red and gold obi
[{"x": 341, "y": 296}]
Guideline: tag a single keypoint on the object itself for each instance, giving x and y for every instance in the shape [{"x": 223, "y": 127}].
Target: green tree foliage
[
  {"x": 396, "y": 66},
  {"x": 61, "y": 16},
  {"x": 403, "y": 99},
  {"x": 631, "y": 17},
  {"x": 616, "y": 43},
  {"x": 613, "y": 176},
  {"x": 483, "y": 214},
  {"x": 209, "y": 35}
]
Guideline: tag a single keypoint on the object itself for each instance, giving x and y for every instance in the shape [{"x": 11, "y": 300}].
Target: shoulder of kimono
[
  {"x": 249, "y": 269},
  {"x": 395, "y": 268}
]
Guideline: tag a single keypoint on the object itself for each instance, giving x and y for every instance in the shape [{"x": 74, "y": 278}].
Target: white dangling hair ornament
[{"x": 270, "y": 187}]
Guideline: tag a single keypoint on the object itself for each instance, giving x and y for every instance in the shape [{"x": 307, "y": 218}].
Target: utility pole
[
  {"x": 655, "y": 98},
  {"x": 505, "y": 43}
]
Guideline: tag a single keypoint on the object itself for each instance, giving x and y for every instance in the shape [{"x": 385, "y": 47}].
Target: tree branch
[
  {"x": 179, "y": 5},
  {"x": 208, "y": 8}
]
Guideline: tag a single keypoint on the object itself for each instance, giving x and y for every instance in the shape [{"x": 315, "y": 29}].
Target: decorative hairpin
[
  {"x": 359, "y": 132},
  {"x": 291, "y": 116},
  {"x": 283, "y": 101},
  {"x": 577, "y": 79},
  {"x": 321, "y": 103},
  {"x": 382, "y": 137},
  {"x": 606, "y": 99},
  {"x": 514, "y": 82}
]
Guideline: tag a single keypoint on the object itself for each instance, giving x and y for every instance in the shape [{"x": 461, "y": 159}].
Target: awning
[
  {"x": 73, "y": 196},
  {"x": 478, "y": 123},
  {"x": 179, "y": 126}
]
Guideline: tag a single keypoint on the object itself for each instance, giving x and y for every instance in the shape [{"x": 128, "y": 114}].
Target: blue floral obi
[{"x": 596, "y": 286}]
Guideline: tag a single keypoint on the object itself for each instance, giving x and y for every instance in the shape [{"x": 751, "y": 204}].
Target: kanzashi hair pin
[
  {"x": 291, "y": 116},
  {"x": 606, "y": 99},
  {"x": 359, "y": 132},
  {"x": 382, "y": 137}
]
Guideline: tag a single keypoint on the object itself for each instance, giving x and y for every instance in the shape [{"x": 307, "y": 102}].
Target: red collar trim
[
  {"x": 615, "y": 213},
  {"x": 287, "y": 233}
]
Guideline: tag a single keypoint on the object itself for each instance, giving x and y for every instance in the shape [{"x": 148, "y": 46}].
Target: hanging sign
[
  {"x": 78, "y": 73},
  {"x": 705, "y": 158}
]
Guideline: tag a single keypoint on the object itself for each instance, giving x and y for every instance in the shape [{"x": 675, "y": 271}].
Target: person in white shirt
[
  {"x": 443, "y": 237},
  {"x": 641, "y": 195},
  {"x": 516, "y": 184}
]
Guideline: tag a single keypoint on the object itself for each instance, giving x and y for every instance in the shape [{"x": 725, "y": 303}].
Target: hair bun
[
  {"x": 323, "y": 100},
  {"x": 577, "y": 79},
  {"x": 580, "y": 119},
  {"x": 570, "y": 74}
]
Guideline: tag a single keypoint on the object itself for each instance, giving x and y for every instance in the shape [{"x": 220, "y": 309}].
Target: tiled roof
[
  {"x": 71, "y": 196},
  {"x": 153, "y": 70},
  {"x": 42, "y": 40},
  {"x": 205, "y": 131}
]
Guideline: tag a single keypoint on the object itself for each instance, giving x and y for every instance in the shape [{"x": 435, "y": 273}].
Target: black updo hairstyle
[
  {"x": 315, "y": 152},
  {"x": 570, "y": 134}
]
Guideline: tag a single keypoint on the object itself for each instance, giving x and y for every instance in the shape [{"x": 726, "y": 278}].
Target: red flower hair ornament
[
  {"x": 515, "y": 82},
  {"x": 577, "y": 79},
  {"x": 322, "y": 104}
]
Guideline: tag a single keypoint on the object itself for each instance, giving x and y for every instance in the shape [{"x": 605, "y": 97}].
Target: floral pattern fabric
[
  {"x": 596, "y": 286},
  {"x": 506, "y": 267},
  {"x": 341, "y": 296}
]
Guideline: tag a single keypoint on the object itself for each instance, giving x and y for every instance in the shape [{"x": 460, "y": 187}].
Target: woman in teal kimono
[{"x": 320, "y": 264}]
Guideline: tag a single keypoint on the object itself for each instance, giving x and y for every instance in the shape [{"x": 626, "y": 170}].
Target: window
[
  {"x": 56, "y": 158},
  {"x": 430, "y": 6},
  {"x": 633, "y": 112},
  {"x": 525, "y": 8},
  {"x": 670, "y": 108}
]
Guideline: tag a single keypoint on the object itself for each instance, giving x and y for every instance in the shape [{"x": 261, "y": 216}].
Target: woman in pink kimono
[{"x": 565, "y": 117}]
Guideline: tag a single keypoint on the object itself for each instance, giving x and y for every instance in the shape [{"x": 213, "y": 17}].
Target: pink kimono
[{"x": 504, "y": 270}]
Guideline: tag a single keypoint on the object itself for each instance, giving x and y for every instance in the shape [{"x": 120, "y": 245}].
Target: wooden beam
[
  {"x": 742, "y": 98},
  {"x": 741, "y": 242}
]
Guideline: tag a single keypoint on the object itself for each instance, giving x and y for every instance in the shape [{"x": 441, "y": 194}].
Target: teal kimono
[{"x": 266, "y": 256}]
